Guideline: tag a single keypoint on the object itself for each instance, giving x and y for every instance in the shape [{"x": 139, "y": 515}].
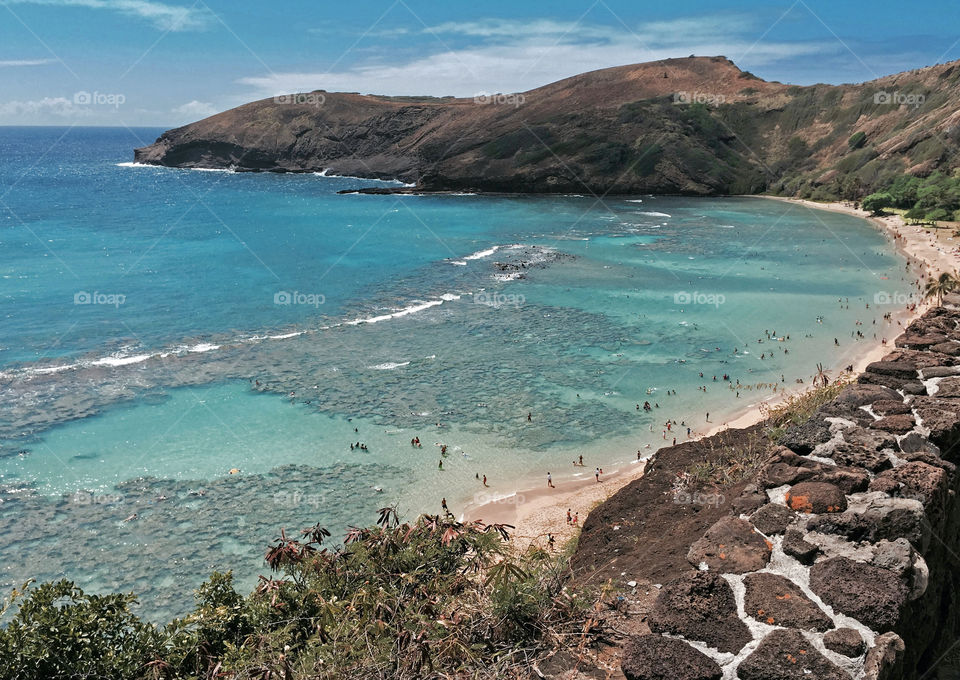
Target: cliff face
[
  {"x": 696, "y": 125},
  {"x": 835, "y": 559}
]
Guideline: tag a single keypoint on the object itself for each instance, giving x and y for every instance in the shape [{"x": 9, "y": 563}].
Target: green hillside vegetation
[{"x": 397, "y": 600}]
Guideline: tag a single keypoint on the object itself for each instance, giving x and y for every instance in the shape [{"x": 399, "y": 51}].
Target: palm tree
[
  {"x": 822, "y": 378},
  {"x": 940, "y": 286}
]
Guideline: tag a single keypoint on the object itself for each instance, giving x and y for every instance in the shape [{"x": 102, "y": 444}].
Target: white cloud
[
  {"x": 11, "y": 63},
  {"x": 43, "y": 110},
  {"x": 515, "y": 56},
  {"x": 505, "y": 28},
  {"x": 195, "y": 110},
  {"x": 163, "y": 16}
]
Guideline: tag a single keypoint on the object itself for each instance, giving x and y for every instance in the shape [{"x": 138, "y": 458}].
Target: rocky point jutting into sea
[
  {"x": 696, "y": 126},
  {"x": 833, "y": 558}
]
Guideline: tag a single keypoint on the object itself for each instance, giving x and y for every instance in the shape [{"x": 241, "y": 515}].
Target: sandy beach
[{"x": 537, "y": 512}]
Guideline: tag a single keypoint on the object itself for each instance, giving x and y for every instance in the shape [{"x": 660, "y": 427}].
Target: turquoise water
[{"x": 163, "y": 328}]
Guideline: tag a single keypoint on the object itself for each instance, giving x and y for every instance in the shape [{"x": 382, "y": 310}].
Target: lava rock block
[
  {"x": 870, "y": 594},
  {"x": 786, "y": 467},
  {"x": 845, "y": 641},
  {"x": 874, "y": 440},
  {"x": 885, "y": 659},
  {"x": 861, "y": 395},
  {"x": 654, "y": 657},
  {"x": 916, "y": 341},
  {"x": 777, "y": 601},
  {"x": 898, "y": 424},
  {"x": 787, "y": 655},
  {"x": 905, "y": 370},
  {"x": 797, "y": 547},
  {"x": 890, "y": 407},
  {"x": 925, "y": 483},
  {"x": 749, "y": 500},
  {"x": 859, "y": 456},
  {"x": 940, "y": 371},
  {"x": 930, "y": 459},
  {"x": 943, "y": 420},
  {"x": 917, "y": 443},
  {"x": 949, "y": 387},
  {"x": 883, "y": 517},
  {"x": 816, "y": 497},
  {"x": 803, "y": 439},
  {"x": 951, "y": 349},
  {"x": 700, "y": 606},
  {"x": 773, "y": 518},
  {"x": 847, "y": 479},
  {"x": 731, "y": 545}
]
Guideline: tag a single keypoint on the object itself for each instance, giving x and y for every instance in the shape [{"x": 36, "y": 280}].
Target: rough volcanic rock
[
  {"x": 874, "y": 440},
  {"x": 885, "y": 659},
  {"x": 847, "y": 479},
  {"x": 916, "y": 443},
  {"x": 898, "y": 424},
  {"x": 700, "y": 606},
  {"x": 779, "y": 602},
  {"x": 654, "y": 657},
  {"x": 839, "y": 409},
  {"x": 858, "y": 456},
  {"x": 930, "y": 459},
  {"x": 751, "y": 498},
  {"x": 816, "y": 497},
  {"x": 890, "y": 407},
  {"x": 926, "y": 341},
  {"x": 862, "y": 395},
  {"x": 798, "y": 548},
  {"x": 905, "y": 370},
  {"x": 786, "y": 467},
  {"x": 900, "y": 558},
  {"x": 731, "y": 545},
  {"x": 948, "y": 388},
  {"x": 925, "y": 483},
  {"x": 949, "y": 348},
  {"x": 787, "y": 655},
  {"x": 880, "y": 517},
  {"x": 845, "y": 641},
  {"x": 803, "y": 439},
  {"x": 913, "y": 387},
  {"x": 905, "y": 385},
  {"x": 943, "y": 421},
  {"x": 870, "y": 594},
  {"x": 773, "y": 518},
  {"x": 941, "y": 371}
]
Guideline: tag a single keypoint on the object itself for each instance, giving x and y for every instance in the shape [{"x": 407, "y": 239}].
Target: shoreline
[{"x": 537, "y": 512}]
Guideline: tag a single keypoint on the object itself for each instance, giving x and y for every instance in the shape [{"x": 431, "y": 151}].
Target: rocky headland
[
  {"x": 831, "y": 552},
  {"x": 695, "y": 125}
]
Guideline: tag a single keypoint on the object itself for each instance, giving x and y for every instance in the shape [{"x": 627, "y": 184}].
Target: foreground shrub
[{"x": 397, "y": 600}]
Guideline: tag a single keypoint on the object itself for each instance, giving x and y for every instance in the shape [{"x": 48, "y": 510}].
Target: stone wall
[{"x": 841, "y": 558}]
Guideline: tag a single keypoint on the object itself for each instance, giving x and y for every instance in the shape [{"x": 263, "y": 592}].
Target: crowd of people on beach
[{"x": 867, "y": 323}]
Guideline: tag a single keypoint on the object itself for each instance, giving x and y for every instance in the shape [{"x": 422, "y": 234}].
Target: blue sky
[{"x": 168, "y": 62}]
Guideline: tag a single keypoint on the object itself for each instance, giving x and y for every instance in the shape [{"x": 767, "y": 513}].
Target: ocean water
[{"x": 186, "y": 356}]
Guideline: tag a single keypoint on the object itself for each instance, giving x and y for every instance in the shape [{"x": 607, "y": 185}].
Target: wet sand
[{"x": 537, "y": 512}]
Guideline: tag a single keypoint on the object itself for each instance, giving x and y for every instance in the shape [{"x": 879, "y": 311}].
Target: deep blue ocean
[{"x": 187, "y": 356}]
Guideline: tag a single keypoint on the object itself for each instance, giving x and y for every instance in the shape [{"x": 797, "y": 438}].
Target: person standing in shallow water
[
  {"x": 550, "y": 481},
  {"x": 597, "y": 474}
]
